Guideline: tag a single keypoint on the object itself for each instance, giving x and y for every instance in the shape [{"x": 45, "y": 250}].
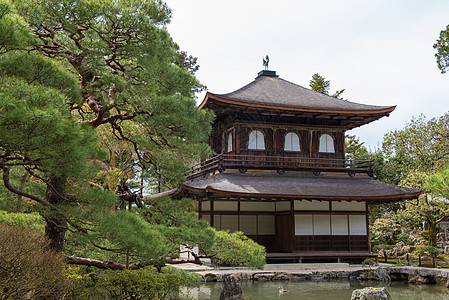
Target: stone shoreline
[{"x": 417, "y": 275}]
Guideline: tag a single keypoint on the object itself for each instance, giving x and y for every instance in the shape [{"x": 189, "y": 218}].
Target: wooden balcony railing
[{"x": 281, "y": 164}]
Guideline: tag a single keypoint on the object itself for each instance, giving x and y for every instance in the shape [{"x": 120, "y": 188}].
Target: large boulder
[
  {"x": 231, "y": 289},
  {"x": 370, "y": 293}
]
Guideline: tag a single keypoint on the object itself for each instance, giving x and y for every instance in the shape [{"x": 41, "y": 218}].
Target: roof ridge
[{"x": 258, "y": 91}]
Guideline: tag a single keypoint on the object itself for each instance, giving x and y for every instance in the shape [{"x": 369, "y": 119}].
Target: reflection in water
[{"x": 320, "y": 290}]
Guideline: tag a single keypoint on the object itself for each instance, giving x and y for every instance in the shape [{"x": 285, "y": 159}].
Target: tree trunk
[
  {"x": 56, "y": 225},
  {"x": 432, "y": 234},
  {"x": 55, "y": 230},
  {"x": 432, "y": 225}
]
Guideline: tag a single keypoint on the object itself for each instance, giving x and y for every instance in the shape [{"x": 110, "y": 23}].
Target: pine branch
[
  {"x": 10, "y": 187},
  {"x": 99, "y": 264}
]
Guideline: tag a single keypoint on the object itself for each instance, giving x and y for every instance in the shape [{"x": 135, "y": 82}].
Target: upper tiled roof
[{"x": 276, "y": 92}]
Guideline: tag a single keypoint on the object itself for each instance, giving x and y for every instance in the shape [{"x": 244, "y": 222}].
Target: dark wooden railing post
[{"x": 220, "y": 161}]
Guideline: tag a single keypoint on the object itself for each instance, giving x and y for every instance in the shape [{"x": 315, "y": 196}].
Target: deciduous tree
[{"x": 411, "y": 155}]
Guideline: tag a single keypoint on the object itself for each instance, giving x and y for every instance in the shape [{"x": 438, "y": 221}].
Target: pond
[{"x": 321, "y": 290}]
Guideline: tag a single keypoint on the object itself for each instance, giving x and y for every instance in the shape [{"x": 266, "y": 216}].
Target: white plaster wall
[
  {"x": 248, "y": 224},
  {"x": 225, "y": 206},
  {"x": 283, "y": 206},
  {"x": 311, "y": 205},
  {"x": 348, "y": 206},
  {"x": 206, "y": 217},
  {"x": 205, "y": 205},
  {"x": 230, "y": 222},
  {"x": 257, "y": 206},
  {"x": 217, "y": 222}
]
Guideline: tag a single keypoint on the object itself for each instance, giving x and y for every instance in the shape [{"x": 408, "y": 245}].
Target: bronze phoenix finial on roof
[{"x": 266, "y": 60}]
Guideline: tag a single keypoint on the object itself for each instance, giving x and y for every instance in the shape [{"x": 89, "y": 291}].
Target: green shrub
[
  {"x": 404, "y": 237},
  {"x": 236, "y": 249},
  {"x": 24, "y": 220},
  {"x": 368, "y": 262},
  {"x": 28, "y": 269},
  {"x": 146, "y": 283}
]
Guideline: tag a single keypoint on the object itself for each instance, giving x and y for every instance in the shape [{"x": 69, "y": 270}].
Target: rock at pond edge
[
  {"x": 231, "y": 289},
  {"x": 370, "y": 293}
]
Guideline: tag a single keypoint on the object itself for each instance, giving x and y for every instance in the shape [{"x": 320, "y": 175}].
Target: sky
[{"x": 380, "y": 51}]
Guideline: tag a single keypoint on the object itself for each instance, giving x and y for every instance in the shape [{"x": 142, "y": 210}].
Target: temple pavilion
[{"x": 279, "y": 173}]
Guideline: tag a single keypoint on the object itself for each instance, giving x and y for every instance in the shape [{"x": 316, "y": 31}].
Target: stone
[
  {"x": 231, "y": 289},
  {"x": 245, "y": 276},
  {"x": 263, "y": 276},
  {"x": 363, "y": 275},
  {"x": 370, "y": 293},
  {"x": 330, "y": 275},
  {"x": 419, "y": 279},
  {"x": 281, "y": 276},
  {"x": 299, "y": 276},
  {"x": 381, "y": 274},
  {"x": 210, "y": 277}
]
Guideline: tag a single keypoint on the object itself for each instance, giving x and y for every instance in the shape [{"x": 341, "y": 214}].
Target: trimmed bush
[
  {"x": 28, "y": 269},
  {"x": 236, "y": 249},
  {"x": 146, "y": 283}
]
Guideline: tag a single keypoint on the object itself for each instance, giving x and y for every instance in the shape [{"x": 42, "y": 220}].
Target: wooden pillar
[
  {"x": 310, "y": 142},
  {"x": 367, "y": 226},
  {"x": 238, "y": 215},
  {"x": 212, "y": 213},
  {"x": 292, "y": 224}
]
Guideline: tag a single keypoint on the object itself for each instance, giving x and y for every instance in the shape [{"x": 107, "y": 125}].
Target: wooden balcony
[{"x": 281, "y": 164}]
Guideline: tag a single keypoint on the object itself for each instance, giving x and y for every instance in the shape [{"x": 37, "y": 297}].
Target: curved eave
[
  {"x": 382, "y": 111},
  {"x": 385, "y": 198}
]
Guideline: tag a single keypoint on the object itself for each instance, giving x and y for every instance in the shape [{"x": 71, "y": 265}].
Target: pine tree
[{"x": 96, "y": 99}]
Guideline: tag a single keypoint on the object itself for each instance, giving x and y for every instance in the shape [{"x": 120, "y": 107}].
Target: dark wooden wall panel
[
  {"x": 268, "y": 241},
  {"x": 284, "y": 233},
  {"x": 274, "y": 142},
  {"x": 331, "y": 243},
  {"x": 216, "y": 142}
]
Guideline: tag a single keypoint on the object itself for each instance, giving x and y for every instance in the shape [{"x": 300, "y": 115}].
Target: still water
[{"x": 320, "y": 290}]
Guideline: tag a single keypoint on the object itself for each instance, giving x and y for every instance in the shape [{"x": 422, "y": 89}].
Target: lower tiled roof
[{"x": 299, "y": 185}]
